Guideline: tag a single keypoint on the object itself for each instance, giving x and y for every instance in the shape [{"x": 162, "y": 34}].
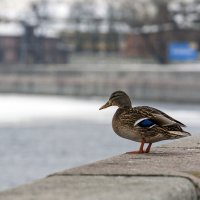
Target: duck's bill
[{"x": 105, "y": 105}]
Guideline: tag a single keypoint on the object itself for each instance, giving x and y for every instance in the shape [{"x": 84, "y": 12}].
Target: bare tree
[
  {"x": 153, "y": 20},
  {"x": 82, "y": 16}
]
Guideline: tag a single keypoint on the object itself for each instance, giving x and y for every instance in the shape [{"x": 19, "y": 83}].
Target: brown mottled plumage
[{"x": 143, "y": 123}]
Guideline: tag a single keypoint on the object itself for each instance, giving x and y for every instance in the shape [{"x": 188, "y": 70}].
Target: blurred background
[{"x": 61, "y": 59}]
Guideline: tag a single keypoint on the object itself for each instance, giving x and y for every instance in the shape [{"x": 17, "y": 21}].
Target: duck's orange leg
[
  {"x": 148, "y": 148},
  {"x": 140, "y": 150}
]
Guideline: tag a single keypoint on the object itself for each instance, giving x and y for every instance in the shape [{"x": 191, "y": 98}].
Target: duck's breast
[{"x": 123, "y": 129}]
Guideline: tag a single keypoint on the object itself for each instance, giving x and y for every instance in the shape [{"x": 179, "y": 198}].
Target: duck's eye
[{"x": 144, "y": 123}]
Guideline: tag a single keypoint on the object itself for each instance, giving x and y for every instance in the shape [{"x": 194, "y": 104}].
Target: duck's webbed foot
[
  {"x": 141, "y": 150},
  {"x": 135, "y": 152}
]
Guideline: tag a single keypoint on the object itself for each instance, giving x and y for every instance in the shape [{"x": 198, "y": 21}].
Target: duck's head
[{"x": 118, "y": 98}]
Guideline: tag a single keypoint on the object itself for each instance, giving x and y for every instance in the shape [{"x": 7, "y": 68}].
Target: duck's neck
[
  {"x": 122, "y": 110},
  {"x": 128, "y": 106},
  {"x": 124, "y": 102}
]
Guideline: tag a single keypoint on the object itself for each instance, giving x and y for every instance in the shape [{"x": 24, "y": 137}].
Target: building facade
[{"x": 28, "y": 48}]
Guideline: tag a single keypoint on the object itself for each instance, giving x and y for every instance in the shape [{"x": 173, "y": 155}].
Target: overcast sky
[
  {"x": 14, "y": 8},
  {"x": 21, "y": 4}
]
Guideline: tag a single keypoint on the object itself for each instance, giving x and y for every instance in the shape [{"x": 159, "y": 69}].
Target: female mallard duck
[{"x": 142, "y": 124}]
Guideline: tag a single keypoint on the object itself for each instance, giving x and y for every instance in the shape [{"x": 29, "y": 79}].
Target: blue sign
[{"x": 182, "y": 51}]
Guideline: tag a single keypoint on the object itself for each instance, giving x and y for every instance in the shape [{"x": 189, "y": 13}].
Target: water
[{"x": 41, "y": 135}]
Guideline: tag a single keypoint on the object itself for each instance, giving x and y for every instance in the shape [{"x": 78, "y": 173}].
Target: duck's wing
[
  {"x": 159, "y": 124},
  {"x": 157, "y": 116}
]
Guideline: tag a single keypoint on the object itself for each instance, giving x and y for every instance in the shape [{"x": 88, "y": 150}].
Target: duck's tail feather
[{"x": 178, "y": 134}]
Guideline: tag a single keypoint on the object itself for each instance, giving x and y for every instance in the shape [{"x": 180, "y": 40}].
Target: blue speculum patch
[{"x": 146, "y": 123}]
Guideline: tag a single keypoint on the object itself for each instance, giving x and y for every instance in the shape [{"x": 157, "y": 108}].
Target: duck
[{"x": 142, "y": 124}]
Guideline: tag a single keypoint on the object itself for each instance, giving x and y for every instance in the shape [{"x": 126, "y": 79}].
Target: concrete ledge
[
  {"x": 171, "y": 171},
  {"x": 103, "y": 187}
]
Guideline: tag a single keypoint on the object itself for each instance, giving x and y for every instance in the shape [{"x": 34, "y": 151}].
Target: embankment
[{"x": 179, "y": 83}]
